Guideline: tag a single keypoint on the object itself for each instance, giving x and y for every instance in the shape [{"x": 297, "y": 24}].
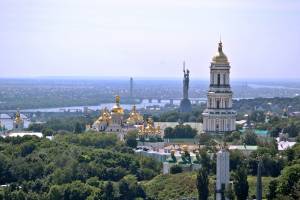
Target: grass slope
[{"x": 183, "y": 185}]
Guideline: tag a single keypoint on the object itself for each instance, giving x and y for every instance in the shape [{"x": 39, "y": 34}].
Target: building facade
[{"x": 219, "y": 117}]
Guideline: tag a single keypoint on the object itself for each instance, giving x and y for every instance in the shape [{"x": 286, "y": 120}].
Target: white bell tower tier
[{"x": 218, "y": 117}]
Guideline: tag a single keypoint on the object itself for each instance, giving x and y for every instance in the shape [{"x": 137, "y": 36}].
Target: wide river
[{"x": 144, "y": 104}]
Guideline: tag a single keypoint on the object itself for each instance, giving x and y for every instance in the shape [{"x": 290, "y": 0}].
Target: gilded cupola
[
  {"x": 220, "y": 57},
  {"x": 104, "y": 117},
  {"x": 18, "y": 118},
  {"x": 117, "y": 109},
  {"x": 149, "y": 129},
  {"x": 134, "y": 117}
]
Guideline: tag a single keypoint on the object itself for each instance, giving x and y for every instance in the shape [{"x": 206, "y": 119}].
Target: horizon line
[{"x": 73, "y": 77}]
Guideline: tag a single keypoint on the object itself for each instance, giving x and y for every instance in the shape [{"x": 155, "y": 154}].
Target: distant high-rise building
[
  {"x": 131, "y": 87},
  {"x": 223, "y": 174},
  {"x": 185, "y": 104},
  {"x": 219, "y": 117}
]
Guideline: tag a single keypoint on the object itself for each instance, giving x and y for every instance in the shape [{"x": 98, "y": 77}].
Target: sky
[{"x": 148, "y": 38}]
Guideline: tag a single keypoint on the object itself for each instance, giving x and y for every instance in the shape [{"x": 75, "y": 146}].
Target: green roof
[{"x": 258, "y": 132}]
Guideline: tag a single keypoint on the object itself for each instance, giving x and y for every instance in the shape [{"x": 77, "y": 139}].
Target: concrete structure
[
  {"x": 223, "y": 174},
  {"x": 219, "y": 117}
]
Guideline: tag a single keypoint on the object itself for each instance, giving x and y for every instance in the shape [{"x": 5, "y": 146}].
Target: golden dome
[
  {"x": 117, "y": 109},
  {"x": 134, "y": 117},
  {"x": 150, "y": 125},
  {"x": 105, "y": 116},
  {"x": 18, "y": 118},
  {"x": 149, "y": 129},
  {"x": 220, "y": 57}
]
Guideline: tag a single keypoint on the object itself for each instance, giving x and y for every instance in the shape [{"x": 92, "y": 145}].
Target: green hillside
[{"x": 183, "y": 185}]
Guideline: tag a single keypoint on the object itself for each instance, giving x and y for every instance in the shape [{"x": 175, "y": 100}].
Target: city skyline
[{"x": 148, "y": 39}]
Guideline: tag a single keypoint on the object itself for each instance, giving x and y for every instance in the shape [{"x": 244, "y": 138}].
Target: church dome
[
  {"x": 117, "y": 109},
  {"x": 134, "y": 117},
  {"x": 18, "y": 118},
  {"x": 220, "y": 57},
  {"x": 149, "y": 129},
  {"x": 104, "y": 116}
]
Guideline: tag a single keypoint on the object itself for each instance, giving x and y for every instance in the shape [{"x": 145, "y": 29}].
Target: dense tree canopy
[
  {"x": 72, "y": 166},
  {"x": 180, "y": 131}
]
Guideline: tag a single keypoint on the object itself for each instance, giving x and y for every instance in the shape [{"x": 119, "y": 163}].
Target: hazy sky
[{"x": 142, "y": 38}]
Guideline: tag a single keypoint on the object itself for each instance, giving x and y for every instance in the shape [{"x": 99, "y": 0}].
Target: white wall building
[{"x": 219, "y": 117}]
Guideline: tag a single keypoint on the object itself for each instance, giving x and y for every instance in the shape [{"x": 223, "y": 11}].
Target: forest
[{"x": 72, "y": 166}]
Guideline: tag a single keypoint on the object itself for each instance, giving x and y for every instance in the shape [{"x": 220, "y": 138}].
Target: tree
[
  {"x": 47, "y": 132},
  {"x": 130, "y": 139},
  {"x": 27, "y": 148},
  {"x": 232, "y": 136},
  {"x": 290, "y": 153},
  {"x": 56, "y": 193},
  {"x": 250, "y": 138},
  {"x": 4, "y": 166},
  {"x": 257, "y": 116},
  {"x": 272, "y": 189},
  {"x": 202, "y": 184},
  {"x": 168, "y": 132},
  {"x": 204, "y": 138},
  {"x": 241, "y": 187},
  {"x": 78, "y": 128},
  {"x": 288, "y": 179},
  {"x": 236, "y": 159},
  {"x": 229, "y": 193},
  {"x": 292, "y": 130},
  {"x": 125, "y": 191},
  {"x": 175, "y": 169},
  {"x": 205, "y": 160},
  {"x": 108, "y": 191},
  {"x": 180, "y": 131}
]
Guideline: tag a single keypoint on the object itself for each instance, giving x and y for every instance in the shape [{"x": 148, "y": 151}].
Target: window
[
  {"x": 219, "y": 79},
  {"x": 218, "y": 103}
]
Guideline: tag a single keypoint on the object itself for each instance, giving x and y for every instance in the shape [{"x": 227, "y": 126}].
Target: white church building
[{"x": 219, "y": 117}]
